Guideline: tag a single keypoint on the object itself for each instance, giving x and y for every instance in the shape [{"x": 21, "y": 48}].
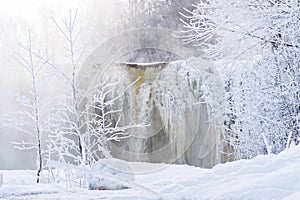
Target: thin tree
[
  {"x": 29, "y": 121},
  {"x": 68, "y": 30},
  {"x": 67, "y": 116}
]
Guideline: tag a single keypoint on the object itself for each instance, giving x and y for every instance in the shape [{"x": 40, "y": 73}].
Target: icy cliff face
[{"x": 181, "y": 103}]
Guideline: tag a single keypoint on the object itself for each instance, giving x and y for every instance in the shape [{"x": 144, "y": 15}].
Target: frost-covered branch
[
  {"x": 103, "y": 119},
  {"x": 66, "y": 124},
  {"x": 258, "y": 42}
]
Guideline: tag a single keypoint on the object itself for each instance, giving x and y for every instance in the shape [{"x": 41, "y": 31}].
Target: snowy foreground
[{"x": 264, "y": 177}]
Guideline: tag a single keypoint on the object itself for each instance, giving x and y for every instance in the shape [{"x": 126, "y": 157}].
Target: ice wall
[{"x": 176, "y": 100}]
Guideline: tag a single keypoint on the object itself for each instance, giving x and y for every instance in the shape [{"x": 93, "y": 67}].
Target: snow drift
[{"x": 263, "y": 177}]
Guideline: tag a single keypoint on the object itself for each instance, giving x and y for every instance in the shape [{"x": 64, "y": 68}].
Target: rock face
[{"x": 181, "y": 101}]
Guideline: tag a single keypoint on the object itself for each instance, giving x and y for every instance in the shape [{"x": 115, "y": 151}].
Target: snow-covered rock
[{"x": 110, "y": 174}]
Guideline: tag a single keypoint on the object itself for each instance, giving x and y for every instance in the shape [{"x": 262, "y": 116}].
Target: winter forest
[{"x": 150, "y": 99}]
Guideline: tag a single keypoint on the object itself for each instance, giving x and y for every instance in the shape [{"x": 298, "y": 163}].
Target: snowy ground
[{"x": 264, "y": 177}]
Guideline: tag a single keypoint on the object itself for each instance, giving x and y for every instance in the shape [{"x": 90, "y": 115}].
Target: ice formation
[{"x": 181, "y": 101}]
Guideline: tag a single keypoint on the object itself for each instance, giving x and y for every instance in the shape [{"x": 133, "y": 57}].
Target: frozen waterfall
[{"x": 180, "y": 101}]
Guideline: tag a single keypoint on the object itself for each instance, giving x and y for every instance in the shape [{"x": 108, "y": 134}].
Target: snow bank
[{"x": 264, "y": 177}]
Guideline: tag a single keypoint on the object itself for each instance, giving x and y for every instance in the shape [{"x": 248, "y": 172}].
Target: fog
[{"x": 97, "y": 18}]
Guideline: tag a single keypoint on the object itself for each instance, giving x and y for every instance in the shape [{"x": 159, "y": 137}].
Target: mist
[{"x": 97, "y": 19}]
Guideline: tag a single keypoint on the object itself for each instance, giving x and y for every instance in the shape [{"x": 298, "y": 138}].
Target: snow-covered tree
[
  {"x": 29, "y": 121},
  {"x": 260, "y": 40},
  {"x": 65, "y": 127}
]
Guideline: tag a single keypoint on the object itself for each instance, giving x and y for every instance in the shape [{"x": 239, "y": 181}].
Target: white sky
[{"x": 28, "y": 8}]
